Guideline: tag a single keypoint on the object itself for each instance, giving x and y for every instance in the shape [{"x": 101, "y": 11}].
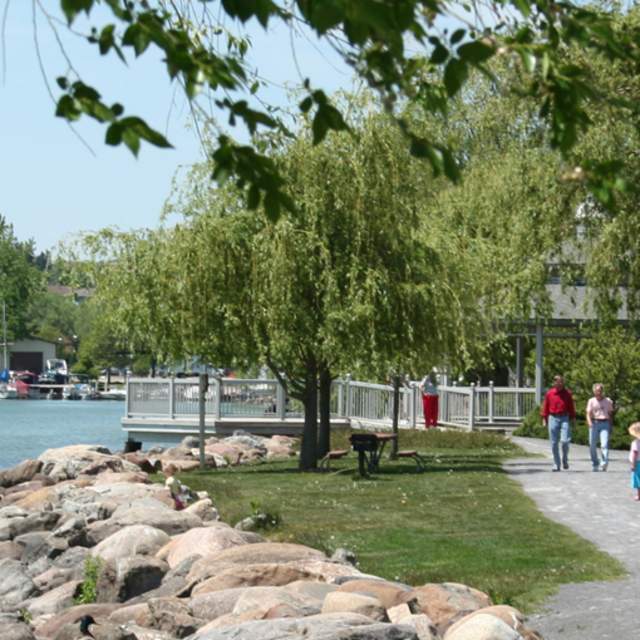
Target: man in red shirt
[{"x": 559, "y": 414}]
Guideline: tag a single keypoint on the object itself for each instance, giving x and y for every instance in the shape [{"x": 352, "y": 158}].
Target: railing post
[
  {"x": 491, "y": 401},
  {"x": 347, "y": 384},
  {"x": 340, "y": 410},
  {"x": 217, "y": 398},
  {"x": 472, "y": 405},
  {"x": 281, "y": 403},
  {"x": 172, "y": 398},
  {"x": 413, "y": 415}
]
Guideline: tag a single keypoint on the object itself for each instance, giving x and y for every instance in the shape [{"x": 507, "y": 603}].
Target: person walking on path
[
  {"x": 634, "y": 458},
  {"x": 600, "y": 420},
  {"x": 429, "y": 388},
  {"x": 559, "y": 415}
]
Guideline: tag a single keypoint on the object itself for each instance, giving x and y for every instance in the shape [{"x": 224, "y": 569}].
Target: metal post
[
  {"x": 472, "y": 405},
  {"x": 203, "y": 385},
  {"x": 281, "y": 403},
  {"x": 172, "y": 398},
  {"x": 413, "y": 397},
  {"x": 127, "y": 406},
  {"x": 539, "y": 359},
  {"x": 491, "y": 401}
]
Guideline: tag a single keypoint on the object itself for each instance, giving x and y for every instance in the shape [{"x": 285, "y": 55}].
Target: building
[{"x": 30, "y": 354}]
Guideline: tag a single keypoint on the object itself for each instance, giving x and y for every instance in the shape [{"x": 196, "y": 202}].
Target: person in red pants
[{"x": 429, "y": 388}]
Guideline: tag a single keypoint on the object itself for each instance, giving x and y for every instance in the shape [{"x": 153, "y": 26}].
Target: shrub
[{"x": 88, "y": 593}]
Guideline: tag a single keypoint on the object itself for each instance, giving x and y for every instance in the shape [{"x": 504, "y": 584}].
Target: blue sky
[{"x": 51, "y": 186}]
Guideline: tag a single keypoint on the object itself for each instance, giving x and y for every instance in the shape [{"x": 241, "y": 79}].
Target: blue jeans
[
  {"x": 560, "y": 432},
  {"x": 599, "y": 432}
]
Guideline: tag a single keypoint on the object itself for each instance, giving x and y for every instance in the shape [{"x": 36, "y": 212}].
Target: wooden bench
[
  {"x": 336, "y": 454},
  {"x": 417, "y": 458}
]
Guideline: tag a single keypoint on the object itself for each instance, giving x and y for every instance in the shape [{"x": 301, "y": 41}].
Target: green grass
[{"x": 463, "y": 520}]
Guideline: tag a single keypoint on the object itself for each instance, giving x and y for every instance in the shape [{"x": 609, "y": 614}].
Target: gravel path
[{"x": 600, "y": 508}]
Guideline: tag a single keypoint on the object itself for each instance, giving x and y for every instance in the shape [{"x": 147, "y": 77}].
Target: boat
[
  {"x": 8, "y": 391},
  {"x": 24, "y": 383},
  {"x": 113, "y": 394}
]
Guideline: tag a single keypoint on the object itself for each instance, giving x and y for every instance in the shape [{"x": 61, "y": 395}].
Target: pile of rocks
[{"x": 164, "y": 574}]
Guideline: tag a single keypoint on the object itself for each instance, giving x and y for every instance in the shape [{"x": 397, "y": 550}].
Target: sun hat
[{"x": 634, "y": 429}]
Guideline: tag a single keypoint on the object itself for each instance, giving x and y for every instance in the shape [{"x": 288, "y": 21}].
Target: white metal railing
[{"x": 362, "y": 402}]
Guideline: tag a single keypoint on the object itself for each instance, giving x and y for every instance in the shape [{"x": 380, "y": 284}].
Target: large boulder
[
  {"x": 345, "y": 626},
  {"x": 201, "y": 541},
  {"x": 50, "y": 627},
  {"x": 264, "y": 599},
  {"x": 139, "y": 539},
  {"x": 483, "y": 626},
  {"x": 16, "y": 630},
  {"x": 54, "y": 601},
  {"x": 341, "y": 601},
  {"x": 388, "y": 593},
  {"x": 127, "y": 577},
  {"x": 447, "y": 602},
  {"x": 173, "y": 615},
  {"x": 15, "y": 584},
  {"x": 213, "y": 604},
  {"x": 509, "y": 615},
  {"x": 70, "y": 462},
  {"x": 22, "y": 472}
]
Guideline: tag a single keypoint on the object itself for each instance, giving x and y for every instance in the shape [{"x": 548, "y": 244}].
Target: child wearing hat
[{"x": 634, "y": 455}]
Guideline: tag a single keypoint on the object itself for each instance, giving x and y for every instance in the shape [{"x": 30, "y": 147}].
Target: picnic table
[{"x": 370, "y": 447}]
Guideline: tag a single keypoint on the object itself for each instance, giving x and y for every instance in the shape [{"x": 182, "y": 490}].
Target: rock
[
  {"x": 54, "y": 601},
  {"x": 128, "y": 577},
  {"x": 343, "y": 626},
  {"x": 73, "y": 530},
  {"x": 267, "y": 552},
  {"x": 190, "y": 442},
  {"x": 51, "y": 627},
  {"x": 446, "y": 602},
  {"x": 26, "y": 487},
  {"x": 172, "y": 615},
  {"x": 509, "y": 615},
  {"x": 482, "y": 626},
  {"x": 164, "y": 518},
  {"x": 39, "y": 544},
  {"x": 204, "y": 510},
  {"x": 72, "y": 558},
  {"x": 15, "y": 584},
  {"x": 389, "y": 594},
  {"x": 423, "y": 626},
  {"x": 11, "y": 549},
  {"x": 137, "y": 614},
  {"x": 22, "y": 472},
  {"x": 340, "y": 601},
  {"x": 112, "y": 477},
  {"x": 212, "y": 605},
  {"x": 42, "y": 521},
  {"x": 17, "y": 631},
  {"x": 264, "y": 599},
  {"x": 202, "y": 541},
  {"x": 132, "y": 540},
  {"x": 70, "y": 462},
  {"x": 54, "y": 577}
]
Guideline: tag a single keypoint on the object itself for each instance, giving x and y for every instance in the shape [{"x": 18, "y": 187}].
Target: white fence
[{"x": 363, "y": 403}]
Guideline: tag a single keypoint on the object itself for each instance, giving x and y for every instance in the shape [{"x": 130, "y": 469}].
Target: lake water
[{"x": 28, "y": 427}]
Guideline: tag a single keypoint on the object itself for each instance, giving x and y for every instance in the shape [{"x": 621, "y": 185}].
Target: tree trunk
[
  {"x": 396, "y": 411},
  {"x": 309, "y": 446},
  {"x": 324, "y": 436}
]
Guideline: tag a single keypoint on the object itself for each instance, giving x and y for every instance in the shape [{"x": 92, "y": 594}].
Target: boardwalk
[{"x": 599, "y": 507}]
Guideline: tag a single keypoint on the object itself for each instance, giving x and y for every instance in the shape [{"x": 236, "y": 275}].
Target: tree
[
  {"x": 20, "y": 280},
  {"x": 533, "y": 36}
]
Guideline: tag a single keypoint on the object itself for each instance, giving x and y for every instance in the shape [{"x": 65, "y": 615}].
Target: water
[{"x": 28, "y": 427}]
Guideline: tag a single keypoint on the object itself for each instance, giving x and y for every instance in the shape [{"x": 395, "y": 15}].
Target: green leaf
[
  {"x": 319, "y": 127},
  {"x": 440, "y": 54},
  {"x": 455, "y": 75},
  {"x": 71, "y": 8},
  {"x": 475, "y": 52},
  {"x": 457, "y": 35},
  {"x": 131, "y": 139},
  {"x": 306, "y": 104},
  {"x": 113, "y": 136}
]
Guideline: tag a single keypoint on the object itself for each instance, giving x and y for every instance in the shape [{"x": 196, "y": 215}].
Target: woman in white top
[{"x": 599, "y": 419}]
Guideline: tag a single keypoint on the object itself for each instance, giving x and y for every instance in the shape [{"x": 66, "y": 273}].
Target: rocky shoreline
[{"x": 81, "y": 524}]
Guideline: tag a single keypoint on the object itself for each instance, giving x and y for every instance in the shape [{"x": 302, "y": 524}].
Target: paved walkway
[{"x": 600, "y": 508}]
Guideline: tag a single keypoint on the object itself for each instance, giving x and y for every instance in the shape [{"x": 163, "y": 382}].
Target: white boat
[
  {"x": 8, "y": 391},
  {"x": 113, "y": 394}
]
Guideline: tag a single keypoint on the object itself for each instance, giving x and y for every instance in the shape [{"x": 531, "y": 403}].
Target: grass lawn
[{"x": 463, "y": 520}]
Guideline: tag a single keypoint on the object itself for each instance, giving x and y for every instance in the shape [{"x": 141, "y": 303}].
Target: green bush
[{"x": 88, "y": 593}]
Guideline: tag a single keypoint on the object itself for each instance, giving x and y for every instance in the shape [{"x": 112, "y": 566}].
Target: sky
[{"x": 51, "y": 185}]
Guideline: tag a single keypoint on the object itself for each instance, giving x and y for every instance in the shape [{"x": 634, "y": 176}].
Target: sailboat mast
[{"x": 4, "y": 333}]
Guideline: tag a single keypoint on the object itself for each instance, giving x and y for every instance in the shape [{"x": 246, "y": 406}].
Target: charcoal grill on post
[{"x": 370, "y": 447}]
